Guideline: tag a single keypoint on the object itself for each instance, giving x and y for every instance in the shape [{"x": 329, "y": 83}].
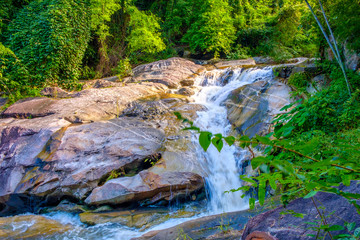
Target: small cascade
[{"x": 222, "y": 166}]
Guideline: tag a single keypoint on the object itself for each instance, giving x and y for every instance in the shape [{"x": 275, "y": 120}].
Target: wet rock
[
  {"x": 235, "y": 63},
  {"x": 55, "y": 92},
  {"x": 290, "y": 227},
  {"x": 147, "y": 188},
  {"x": 30, "y": 227},
  {"x": 252, "y": 107},
  {"x": 222, "y": 226},
  {"x": 186, "y": 91},
  {"x": 66, "y": 206},
  {"x": 187, "y": 82},
  {"x": 170, "y": 72},
  {"x": 141, "y": 219}
]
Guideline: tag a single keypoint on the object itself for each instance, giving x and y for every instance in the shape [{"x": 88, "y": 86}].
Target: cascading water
[
  {"x": 223, "y": 173},
  {"x": 223, "y": 168}
]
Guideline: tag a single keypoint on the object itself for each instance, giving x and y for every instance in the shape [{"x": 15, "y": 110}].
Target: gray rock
[
  {"x": 170, "y": 72},
  {"x": 290, "y": 227},
  {"x": 52, "y": 162},
  {"x": 235, "y": 63},
  {"x": 186, "y": 91},
  {"x": 146, "y": 187},
  {"x": 352, "y": 59},
  {"x": 252, "y": 107},
  {"x": 55, "y": 92}
]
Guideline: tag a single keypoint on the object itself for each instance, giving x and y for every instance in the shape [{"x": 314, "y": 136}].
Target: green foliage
[
  {"x": 123, "y": 69},
  {"x": 49, "y": 37},
  {"x": 299, "y": 80},
  {"x": 213, "y": 31},
  {"x": 144, "y": 32}
]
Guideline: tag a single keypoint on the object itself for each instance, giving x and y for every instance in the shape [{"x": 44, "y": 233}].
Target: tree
[{"x": 213, "y": 30}]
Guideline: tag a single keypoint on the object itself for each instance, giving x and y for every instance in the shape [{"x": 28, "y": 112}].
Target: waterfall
[{"x": 222, "y": 167}]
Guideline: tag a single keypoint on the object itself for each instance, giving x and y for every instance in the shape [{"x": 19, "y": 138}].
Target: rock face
[
  {"x": 171, "y": 72},
  {"x": 290, "y": 227},
  {"x": 147, "y": 188},
  {"x": 252, "y": 107},
  {"x": 53, "y": 149},
  {"x": 73, "y": 162}
]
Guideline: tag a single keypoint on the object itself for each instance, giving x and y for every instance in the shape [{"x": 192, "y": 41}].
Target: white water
[
  {"x": 222, "y": 166},
  {"x": 223, "y": 170}
]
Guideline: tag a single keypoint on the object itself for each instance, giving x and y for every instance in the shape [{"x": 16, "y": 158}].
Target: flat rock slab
[
  {"x": 147, "y": 188},
  {"x": 236, "y": 63},
  {"x": 85, "y": 106},
  {"x": 290, "y": 227},
  {"x": 227, "y": 226},
  {"x": 172, "y": 72}
]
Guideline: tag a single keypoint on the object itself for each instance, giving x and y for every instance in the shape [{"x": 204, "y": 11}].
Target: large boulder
[
  {"x": 85, "y": 106},
  {"x": 50, "y": 163},
  {"x": 147, "y": 188},
  {"x": 171, "y": 72},
  {"x": 336, "y": 209},
  {"x": 252, "y": 107}
]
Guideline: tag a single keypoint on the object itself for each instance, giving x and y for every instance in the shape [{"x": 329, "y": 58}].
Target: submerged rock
[
  {"x": 30, "y": 227},
  {"x": 141, "y": 219},
  {"x": 147, "y": 188}
]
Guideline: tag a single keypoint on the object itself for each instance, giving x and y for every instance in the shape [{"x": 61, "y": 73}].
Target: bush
[
  {"x": 49, "y": 37},
  {"x": 299, "y": 80}
]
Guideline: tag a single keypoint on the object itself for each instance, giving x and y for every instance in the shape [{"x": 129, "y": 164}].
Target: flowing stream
[{"x": 222, "y": 167}]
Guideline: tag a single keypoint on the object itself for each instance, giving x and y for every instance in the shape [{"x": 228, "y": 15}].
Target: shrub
[{"x": 49, "y": 37}]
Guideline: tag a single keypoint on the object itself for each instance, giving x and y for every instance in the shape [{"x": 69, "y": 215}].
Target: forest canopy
[{"x": 58, "y": 42}]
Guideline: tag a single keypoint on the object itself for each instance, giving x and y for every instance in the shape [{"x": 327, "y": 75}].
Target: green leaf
[
  {"x": 351, "y": 226},
  {"x": 191, "y": 128},
  {"x": 357, "y": 232},
  {"x": 346, "y": 179},
  {"x": 205, "y": 140},
  {"x": 310, "y": 194},
  {"x": 264, "y": 140},
  {"x": 178, "y": 115},
  {"x": 230, "y": 140},
  {"x": 264, "y": 168},
  {"x": 252, "y": 203},
  {"x": 218, "y": 143},
  {"x": 261, "y": 192},
  {"x": 336, "y": 228},
  {"x": 257, "y": 161}
]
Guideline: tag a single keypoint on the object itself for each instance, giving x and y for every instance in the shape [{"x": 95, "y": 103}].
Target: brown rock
[
  {"x": 260, "y": 236},
  {"x": 235, "y": 63},
  {"x": 147, "y": 187},
  {"x": 31, "y": 108},
  {"x": 170, "y": 72},
  {"x": 30, "y": 227},
  {"x": 55, "y": 92},
  {"x": 186, "y": 91}
]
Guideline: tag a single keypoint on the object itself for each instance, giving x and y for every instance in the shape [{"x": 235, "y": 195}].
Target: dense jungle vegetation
[{"x": 58, "y": 42}]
